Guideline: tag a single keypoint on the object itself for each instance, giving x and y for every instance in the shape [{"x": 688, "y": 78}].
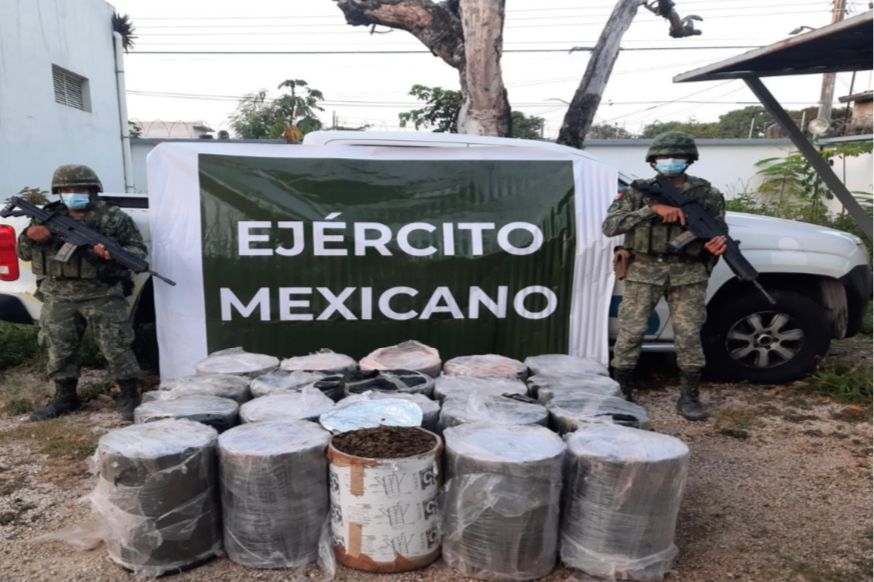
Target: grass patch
[
  {"x": 60, "y": 438},
  {"x": 843, "y": 382}
]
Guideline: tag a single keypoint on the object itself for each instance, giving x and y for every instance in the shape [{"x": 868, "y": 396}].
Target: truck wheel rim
[{"x": 764, "y": 339}]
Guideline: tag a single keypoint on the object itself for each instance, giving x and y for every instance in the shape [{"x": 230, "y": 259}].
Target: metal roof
[{"x": 842, "y": 46}]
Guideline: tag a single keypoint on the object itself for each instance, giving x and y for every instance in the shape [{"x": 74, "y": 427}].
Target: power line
[{"x": 411, "y": 52}]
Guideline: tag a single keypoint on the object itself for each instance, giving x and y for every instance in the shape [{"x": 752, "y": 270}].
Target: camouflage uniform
[
  {"x": 655, "y": 271},
  {"x": 86, "y": 290}
]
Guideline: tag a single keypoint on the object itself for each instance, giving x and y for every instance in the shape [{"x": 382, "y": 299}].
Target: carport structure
[{"x": 840, "y": 47}]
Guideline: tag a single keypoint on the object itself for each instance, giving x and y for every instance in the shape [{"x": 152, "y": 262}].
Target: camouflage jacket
[
  {"x": 84, "y": 276},
  {"x": 647, "y": 237}
]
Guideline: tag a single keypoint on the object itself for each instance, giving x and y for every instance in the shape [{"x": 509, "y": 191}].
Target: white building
[{"x": 59, "y": 93}]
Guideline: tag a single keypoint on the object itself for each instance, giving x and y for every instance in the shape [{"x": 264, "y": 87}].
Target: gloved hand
[{"x": 39, "y": 233}]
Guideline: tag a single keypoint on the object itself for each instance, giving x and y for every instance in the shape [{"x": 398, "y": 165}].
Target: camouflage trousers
[
  {"x": 688, "y": 313},
  {"x": 62, "y": 324}
]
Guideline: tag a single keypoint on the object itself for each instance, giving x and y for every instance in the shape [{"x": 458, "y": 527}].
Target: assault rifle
[
  {"x": 701, "y": 225},
  {"x": 75, "y": 234}
]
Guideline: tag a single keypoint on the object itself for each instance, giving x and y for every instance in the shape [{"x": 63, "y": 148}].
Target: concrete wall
[
  {"x": 729, "y": 164},
  {"x": 36, "y": 133}
]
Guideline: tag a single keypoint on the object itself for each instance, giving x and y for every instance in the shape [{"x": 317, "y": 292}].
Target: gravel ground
[{"x": 779, "y": 489}]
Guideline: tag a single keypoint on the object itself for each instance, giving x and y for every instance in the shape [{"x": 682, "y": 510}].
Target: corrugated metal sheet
[{"x": 843, "y": 46}]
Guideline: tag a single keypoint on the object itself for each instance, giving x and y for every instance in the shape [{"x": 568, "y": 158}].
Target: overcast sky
[{"x": 370, "y": 81}]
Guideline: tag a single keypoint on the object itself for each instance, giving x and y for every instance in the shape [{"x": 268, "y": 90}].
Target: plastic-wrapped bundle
[
  {"x": 324, "y": 360},
  {"x": 222, "y": 385},
  {"x": 156, "y": 495},
  {"x": 408, "y": 355},
  {"x": 564, "y": 365},
  {"x": 274, "y": 492},
  {"x": 219, "y": 413},
  {"x": 430, "y": 409},
  {"x": 357, "y": 414},
  {"x": 567, "y": 414},
  {"x": 545, "y": 388},
  {"x": 306, "y": 404},
  {"x": 236, "y": 361},
  {"x": 389, "y": 381},
  {"x": 501, "y": 500},
  {"x": 623, "y": 489},
  {"x": 466, "y": 386},
  {"x": 486, "y": 365},
  {"x": 496, "y": 409},
  {"x": 283, "y": 381}
]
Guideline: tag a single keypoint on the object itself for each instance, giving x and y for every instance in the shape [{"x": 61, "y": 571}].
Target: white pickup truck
[{"x": 820, "y": 278}]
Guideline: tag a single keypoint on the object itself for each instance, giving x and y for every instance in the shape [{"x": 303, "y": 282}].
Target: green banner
[{"x": 470, "y": 257}]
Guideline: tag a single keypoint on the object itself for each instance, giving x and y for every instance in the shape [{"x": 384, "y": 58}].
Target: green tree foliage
[
  {"x": 791, "y": 189},
  {"x": 608, "y": 131},
  {"x": 736, "y": 123},
  {"x": 441, "y": 112},
  {"x": 121, "y": 23},
  {"x": 257, "y": 117},
  {"x": 525, "y": 127}
]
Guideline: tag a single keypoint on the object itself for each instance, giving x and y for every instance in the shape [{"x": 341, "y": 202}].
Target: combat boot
[
  {"x": 625, "y": 377},
  {"x": 129, "y": 398},
  {"x": 64, "y": 401},
  {"x": 689, "y": 406}
]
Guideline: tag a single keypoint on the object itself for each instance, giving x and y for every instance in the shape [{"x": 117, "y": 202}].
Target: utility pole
[{"x": 828, "y": 79}]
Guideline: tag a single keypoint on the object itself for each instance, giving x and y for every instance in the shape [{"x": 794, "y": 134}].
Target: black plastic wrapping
[
  {"x": 222, "y": 385},
  {"x": 568, "y": 413},
  {"x": 544, "y": 388},
  {"x": 274, "y": 492},
  {"x": 564, "y": 365},
  {"x": 219, "y": 413},
  {"x": 501, "y": 500},
  {"x": 623, "y": 489},
  {"x": 157, "y": 495}
]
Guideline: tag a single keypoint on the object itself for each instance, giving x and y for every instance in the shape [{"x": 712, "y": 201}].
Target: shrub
[{"x": 18, "y": 345}]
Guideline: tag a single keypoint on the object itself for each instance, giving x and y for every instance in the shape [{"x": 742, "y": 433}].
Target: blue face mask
[
  {"x": 76, "y": 200},
  {"x": 671, "y": 166}
]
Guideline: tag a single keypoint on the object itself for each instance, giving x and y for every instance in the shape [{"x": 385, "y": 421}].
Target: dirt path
[{"x": 779, "y": 489}]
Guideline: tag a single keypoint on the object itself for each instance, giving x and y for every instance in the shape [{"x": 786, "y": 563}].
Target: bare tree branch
[
  {"x": 436, "y": 25},
  {"x": 680, "y": 27},
  {"x": 587, "y": 97}
]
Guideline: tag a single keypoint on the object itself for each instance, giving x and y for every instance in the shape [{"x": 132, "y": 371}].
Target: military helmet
[
  {"x": 673, "y": 143},
  {"x": 75, "y": 175}
]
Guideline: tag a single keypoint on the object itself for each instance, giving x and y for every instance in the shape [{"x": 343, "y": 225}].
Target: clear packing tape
[
  {"x": 564, "y": 365},
  {"x": 496, "y": 409},
  {"x": 622, "y": 494}
]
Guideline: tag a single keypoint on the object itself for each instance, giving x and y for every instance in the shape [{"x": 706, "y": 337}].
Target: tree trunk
[
  {"x": 581, "y": 112},
  {"x": 485, "y": 109}
]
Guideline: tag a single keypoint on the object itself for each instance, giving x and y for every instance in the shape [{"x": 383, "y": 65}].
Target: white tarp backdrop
[{"x": 214, "y": 208}]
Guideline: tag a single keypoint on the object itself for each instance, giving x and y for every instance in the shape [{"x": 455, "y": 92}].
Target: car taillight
[{"x": 8, "y": 258}]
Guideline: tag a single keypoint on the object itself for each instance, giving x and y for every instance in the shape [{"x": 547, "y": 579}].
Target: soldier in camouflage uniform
[
  {"x": 655, "y": 270},
  {"x": 89, "y": 290}
]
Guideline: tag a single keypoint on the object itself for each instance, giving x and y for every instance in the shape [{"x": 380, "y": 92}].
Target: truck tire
[{"x": 749, "y": 339}]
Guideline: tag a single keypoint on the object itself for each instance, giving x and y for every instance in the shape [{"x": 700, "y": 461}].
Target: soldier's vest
[
  {"x": 653, "y": 238},
  {"x": 80, "y": 266}
]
